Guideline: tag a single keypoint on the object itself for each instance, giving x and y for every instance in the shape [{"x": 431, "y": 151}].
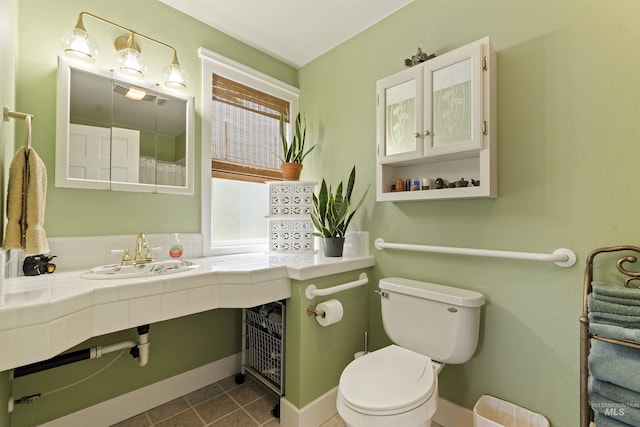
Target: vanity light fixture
[{"x": 79, "y": 45}]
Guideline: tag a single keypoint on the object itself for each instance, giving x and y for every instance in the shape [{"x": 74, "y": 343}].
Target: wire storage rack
[{"x": 263, "y": 335}]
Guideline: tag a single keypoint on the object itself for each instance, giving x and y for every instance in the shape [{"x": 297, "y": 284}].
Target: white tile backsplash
[{"x": 80, "y": 253}]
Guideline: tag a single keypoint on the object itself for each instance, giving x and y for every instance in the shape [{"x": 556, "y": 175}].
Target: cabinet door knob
[
  {"x": 427, "y": 133},
  {"x": 416, "y": 135}
]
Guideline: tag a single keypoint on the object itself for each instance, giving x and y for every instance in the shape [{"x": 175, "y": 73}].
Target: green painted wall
[
  {"x": 72, "y": 212},
  {"x": 568, "y": 110},
  {"x": 316, "y": 355}
]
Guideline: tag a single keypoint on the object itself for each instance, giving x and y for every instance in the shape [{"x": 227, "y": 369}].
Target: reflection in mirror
[{"x": 118, "y": 134}]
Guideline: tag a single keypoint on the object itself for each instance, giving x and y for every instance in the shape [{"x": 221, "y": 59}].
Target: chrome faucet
[{"x": 138, "y": 257}]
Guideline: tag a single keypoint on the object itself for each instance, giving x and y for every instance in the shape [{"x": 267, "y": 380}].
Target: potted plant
[
  {"x": 332, "y": 214},
  {"x": 293, "y": 152}
]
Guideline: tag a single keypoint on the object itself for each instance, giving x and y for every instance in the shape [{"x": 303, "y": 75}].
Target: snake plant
[
  {"x": 294, "y": 150},
  {"x": 331, "y": 212}
]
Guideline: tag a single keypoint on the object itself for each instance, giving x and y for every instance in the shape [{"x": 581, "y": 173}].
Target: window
[{"x": 240, "y": 133}]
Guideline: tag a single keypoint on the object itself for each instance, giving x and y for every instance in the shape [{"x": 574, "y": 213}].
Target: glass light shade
[
  {"x": 175, "y": 77},
  {"x": 131, "y": 63},
  {"x": 79, "y": 45}
]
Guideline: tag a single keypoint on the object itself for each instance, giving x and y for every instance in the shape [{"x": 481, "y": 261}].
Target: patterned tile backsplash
[{"x": 79, "y": 253}]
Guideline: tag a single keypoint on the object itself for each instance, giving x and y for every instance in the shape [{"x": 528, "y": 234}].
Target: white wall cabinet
[{"x": 438, "y": 120}]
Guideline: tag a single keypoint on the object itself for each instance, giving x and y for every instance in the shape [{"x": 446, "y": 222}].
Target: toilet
[{"x": 430, "y": 325}]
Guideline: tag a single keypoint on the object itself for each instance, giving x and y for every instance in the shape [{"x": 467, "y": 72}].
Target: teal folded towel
[
  {"x": 610, "y": 313},
  {"x": 625, "y": 321},
  {"x": 623, "y": 396},
  {"x": 614, "y": 331},
  {"x": 627, "y": 295},
  {"x": 615, "y": 364},
  {"x": 594, "y": 303},
  {"x": 622, "y": 412},
  {"x": 618, "y": 300},
  {"x": 602, "y": 420}
]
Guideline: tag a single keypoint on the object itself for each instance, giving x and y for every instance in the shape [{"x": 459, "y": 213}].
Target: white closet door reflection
[
  {"x": 89, "y": 152},
  {"x": 103, "y": 154},
  {"x": 125, "y": 155}
]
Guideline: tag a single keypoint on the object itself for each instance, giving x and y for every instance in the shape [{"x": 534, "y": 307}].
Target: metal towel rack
[
  {"x": 562, "y": 257},
  {"x": 312, "y": 291},
  {"x": 586, "y": 413}
]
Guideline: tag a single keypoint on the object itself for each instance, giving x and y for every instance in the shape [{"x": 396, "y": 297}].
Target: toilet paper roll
[{"x": 332, "y": 312}]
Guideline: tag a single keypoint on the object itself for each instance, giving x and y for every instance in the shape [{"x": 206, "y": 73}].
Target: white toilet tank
[{"x": 438, "y": 321}]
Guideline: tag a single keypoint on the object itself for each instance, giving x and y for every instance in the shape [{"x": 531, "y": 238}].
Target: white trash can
[{"x": 490, "y": 411}]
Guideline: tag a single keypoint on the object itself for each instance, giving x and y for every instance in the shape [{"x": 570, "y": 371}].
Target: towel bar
[
  {"x": 561, "y": 257},
  {"x": 8, "y": 114}
]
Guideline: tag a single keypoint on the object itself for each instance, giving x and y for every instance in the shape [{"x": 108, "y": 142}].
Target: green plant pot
[{"x": 333, "y": 246}]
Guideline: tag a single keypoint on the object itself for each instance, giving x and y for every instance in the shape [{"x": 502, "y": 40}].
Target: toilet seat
[{"x": 388, "y": 381}]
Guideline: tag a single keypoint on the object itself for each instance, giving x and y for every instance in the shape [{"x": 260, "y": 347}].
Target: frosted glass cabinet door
[
  {"x": 400, "y": 107},
  {"x": 453, "y": 83}
]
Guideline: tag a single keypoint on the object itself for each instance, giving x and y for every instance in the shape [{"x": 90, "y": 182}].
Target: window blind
[{"x": 245, "y": 136}]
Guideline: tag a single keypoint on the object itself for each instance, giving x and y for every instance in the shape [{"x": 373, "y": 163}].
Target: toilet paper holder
[{"x": 311, "y": 311}]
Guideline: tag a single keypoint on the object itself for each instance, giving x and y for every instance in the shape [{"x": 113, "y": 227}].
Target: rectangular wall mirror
[{"x": 113, "y": 133}]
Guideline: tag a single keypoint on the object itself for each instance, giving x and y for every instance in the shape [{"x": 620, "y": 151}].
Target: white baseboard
[
  {"x": 127, "y": 405},
  {"x": 450, "y": 414},
  {"x": 320, "y": 410},
  {"x": 313, "y": 414}
]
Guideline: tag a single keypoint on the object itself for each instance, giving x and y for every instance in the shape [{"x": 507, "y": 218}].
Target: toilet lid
[{"x": 390, "y": 379}]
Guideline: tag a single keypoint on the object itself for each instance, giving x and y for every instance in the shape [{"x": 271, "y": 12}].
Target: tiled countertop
[{"x": 46, "y": 315}]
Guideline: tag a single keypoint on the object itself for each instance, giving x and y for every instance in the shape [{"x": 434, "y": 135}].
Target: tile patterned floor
[{"x": 222, "y": 404}]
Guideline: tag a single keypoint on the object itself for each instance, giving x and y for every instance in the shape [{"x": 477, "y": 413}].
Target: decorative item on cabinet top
[
  {"x": 419, "y": 57},
  {"x": 437, "y": 119}
]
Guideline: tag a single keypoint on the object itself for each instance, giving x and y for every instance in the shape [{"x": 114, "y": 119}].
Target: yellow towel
[
  {"x": 26, "y": 204},
  {"x": 35, "y": 236},
  {"x": 15, "y": 197}
]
